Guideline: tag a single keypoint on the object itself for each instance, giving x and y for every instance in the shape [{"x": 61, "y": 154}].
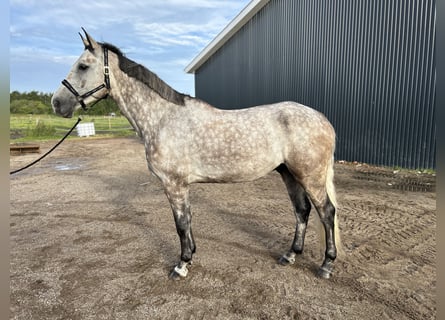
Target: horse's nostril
[{"x": 56, "y": 104}]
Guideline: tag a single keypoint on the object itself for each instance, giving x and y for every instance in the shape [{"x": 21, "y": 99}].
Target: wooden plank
[{"x": 16, "y": 149}]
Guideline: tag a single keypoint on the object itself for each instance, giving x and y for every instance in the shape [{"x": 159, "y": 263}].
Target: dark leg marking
[
  {"x": 327, "y": 214},
  {"x": 302, "y": 208},
  {"x": 183, "y": 220}
]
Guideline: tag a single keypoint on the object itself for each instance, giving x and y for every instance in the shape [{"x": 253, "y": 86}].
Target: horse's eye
[{"x": 83, "y": 67}]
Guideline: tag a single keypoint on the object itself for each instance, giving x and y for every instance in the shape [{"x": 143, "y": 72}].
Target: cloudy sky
[{"x": 163, "y": 35}]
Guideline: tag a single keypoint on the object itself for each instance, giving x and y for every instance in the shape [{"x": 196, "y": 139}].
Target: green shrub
[{"x": 41, "y": 130}]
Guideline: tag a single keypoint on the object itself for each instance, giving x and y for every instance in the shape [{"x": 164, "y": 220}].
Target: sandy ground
[{"x": 92, "y": 237}]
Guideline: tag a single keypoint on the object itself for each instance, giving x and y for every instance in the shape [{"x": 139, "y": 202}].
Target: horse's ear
[
  {"x": 89, "y": 43},
  {"x": 85, "y": 43}
]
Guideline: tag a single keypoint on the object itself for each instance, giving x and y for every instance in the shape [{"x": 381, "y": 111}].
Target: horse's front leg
[{"x": 179, "y": 201}]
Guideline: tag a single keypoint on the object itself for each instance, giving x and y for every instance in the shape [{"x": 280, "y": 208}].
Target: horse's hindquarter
[{"x": 310, "y": 141}]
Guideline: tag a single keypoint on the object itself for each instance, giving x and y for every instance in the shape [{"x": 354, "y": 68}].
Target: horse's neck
[{"x": 143, "y": 107}]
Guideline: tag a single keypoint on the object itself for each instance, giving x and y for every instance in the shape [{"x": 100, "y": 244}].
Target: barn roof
[{"x": 236, "y": 24}]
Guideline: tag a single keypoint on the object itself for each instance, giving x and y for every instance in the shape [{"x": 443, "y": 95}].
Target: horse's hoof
[
  {"x": 179, "y": 272},
  {"x": 174, "y": 276},
  {"x": 323, "y": 273},
  {"x": 285, "y": 260}
]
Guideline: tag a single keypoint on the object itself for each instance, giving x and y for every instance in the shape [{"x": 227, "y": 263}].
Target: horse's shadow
[
  {"x": 267, "y": 241},
  {"x": 124, "y": 209}
]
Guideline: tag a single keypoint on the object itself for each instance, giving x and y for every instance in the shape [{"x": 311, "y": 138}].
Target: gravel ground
[{"x": 92, "y": 237}]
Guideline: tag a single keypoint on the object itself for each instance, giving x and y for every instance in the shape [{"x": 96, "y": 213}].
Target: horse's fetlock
[
  {"x": 331, "y": 254},
  {"x": 187, "y": 257}
]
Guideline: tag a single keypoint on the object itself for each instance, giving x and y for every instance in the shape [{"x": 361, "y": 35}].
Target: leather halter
[{"x": 106, "y": 84}]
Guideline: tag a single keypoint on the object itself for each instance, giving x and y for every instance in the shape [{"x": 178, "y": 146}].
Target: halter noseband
[{"x": 106, "y": 84}]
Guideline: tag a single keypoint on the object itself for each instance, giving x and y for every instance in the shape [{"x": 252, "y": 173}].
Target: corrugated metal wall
[{"x": 369, "y": 66}]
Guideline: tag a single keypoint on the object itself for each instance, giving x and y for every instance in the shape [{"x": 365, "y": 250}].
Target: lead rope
[{"x": 51, "y": 150}]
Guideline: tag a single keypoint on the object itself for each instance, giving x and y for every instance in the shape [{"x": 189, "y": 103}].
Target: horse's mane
[{"x": 139, "y": 72}]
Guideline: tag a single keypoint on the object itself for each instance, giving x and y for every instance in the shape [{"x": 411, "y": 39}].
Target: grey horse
[{"x": 189, "y": 141}]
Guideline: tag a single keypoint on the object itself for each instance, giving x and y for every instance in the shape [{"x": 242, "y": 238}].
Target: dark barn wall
[{"x": 369, "y": 66}]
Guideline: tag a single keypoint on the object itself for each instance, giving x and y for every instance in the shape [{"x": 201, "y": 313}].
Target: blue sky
[{"x": 163, "y": 35}]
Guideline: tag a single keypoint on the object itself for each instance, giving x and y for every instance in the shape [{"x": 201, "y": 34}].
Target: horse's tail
[{"x": 330, "y": 189}]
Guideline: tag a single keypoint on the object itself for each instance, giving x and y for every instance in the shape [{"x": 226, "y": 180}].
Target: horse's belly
[{"x": 235, "y": 169}]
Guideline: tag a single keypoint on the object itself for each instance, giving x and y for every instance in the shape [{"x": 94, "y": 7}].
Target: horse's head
[{"x": 88, "y": 80}]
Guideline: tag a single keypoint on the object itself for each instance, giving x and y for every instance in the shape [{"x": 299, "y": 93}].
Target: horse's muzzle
[{"x": 57, "y": 107}]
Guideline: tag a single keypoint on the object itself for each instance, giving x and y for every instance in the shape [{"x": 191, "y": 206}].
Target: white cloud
[
  {"x": 174, "y": 33},
  {"x": 167, "y": 33},
  {"x": 39, "y": 55}
]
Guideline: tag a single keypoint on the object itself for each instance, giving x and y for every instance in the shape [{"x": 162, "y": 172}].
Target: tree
[
  {"x": 24, "y": 106},
  {"x": 35, "y": 102}
]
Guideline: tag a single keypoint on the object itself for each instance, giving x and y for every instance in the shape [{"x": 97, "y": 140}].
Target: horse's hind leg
[
  {"x": 179, "y": 202},
  {"x": 326, "y": 211},
  {"x": 302, "y": 208}
]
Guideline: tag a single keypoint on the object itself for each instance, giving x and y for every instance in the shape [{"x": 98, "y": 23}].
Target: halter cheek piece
[{"x": 106, "y": 84}]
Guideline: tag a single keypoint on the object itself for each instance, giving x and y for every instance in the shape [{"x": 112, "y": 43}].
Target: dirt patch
[{"x": 92, "y": 237}]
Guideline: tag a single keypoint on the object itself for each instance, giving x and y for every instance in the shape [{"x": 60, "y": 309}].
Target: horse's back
[
  {"x": 280, "y": 127},
  {"x": 239, "y": 145}
]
